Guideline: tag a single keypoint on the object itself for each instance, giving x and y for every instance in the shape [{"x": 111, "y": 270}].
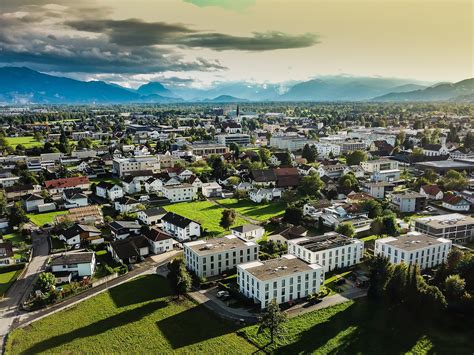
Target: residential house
[
  {"x": 263, "y": 177},
  {"x": 277, "y": 159},
  {"x": 211, "y": 189},
  {"x": 32, "y": 201},
  {"x": 124, "y": 229},
  {"x": 127, "y": 205},
  {"x": 15, "y": 192},
  {"x": 57, "y": 186},
  {"x": 377, "y": 189},
  {"x": 6, "y": 253},
  {"x": 250, "y": 232},
  {"x": 110, "y": 191},
  {"x": 408, "y": 201},
  {"x": 74, "y": 197},
  {"x": 70, "y": 265},
  {"x": 81, "y": 233},
  {"x": 180, "y": 227},
  {"x": 179, "y": 193},
  {"x": 287, "y": 177},
  {"x": 130, "y": 250},
  {"x": 333, "y": 171},
  {"x": 151, "y": 216},
  {"x": 431, "y": 192},
  {"x": 455, "y": 203},
  {"x": 260, "y": 195},
  {"x": 160, "y": 241}
]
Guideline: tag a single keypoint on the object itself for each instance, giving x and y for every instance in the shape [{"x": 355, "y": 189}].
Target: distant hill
[
  {"x": 155, "y": 88},
  {"x": 23, "y": 85},
  {"x": 226, "y": 98},
  {"x": 460, "y": 91},
  {"x": 342, "y": 89}
]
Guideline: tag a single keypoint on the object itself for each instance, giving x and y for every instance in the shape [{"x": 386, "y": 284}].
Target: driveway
[{"x": 23, "y": 286}]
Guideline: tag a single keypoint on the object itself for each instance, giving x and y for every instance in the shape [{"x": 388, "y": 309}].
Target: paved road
[{"x": 23, "y": 286}]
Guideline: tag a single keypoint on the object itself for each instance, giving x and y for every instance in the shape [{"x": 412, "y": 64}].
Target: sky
[{"x": 200, "y": 42}]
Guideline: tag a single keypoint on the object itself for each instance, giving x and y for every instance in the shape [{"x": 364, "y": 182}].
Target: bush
[{"x": 12, "y": 267}]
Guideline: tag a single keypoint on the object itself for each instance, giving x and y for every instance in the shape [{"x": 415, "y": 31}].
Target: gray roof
[
  {"x": 73, "y": 258},
  {"x": 246, "y": 228}
]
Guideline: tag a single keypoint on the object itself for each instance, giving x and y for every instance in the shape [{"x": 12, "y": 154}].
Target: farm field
[
  {"x": 44, "y": 218},
  {"x": 259, "y": 212},
  {"x": 364, "y": 328},
  {"x": 204, "y": 212},
  {"x": 27, "y": 142},
  {"x": 136, "y": 317}
]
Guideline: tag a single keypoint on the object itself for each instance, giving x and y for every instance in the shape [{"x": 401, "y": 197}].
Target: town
[{"x": 237, "y": 227}]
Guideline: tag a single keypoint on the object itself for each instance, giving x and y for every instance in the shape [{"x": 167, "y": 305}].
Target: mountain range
[{"x": 19, "y": 85}]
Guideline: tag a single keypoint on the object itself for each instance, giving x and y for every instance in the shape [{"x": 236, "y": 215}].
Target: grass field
[
  {"x": 204, "y": 212},
  {"x": 15, "y": 238},
  {"x": 363, "y": 328},
  {"x": 259, "y": 212},
  {"x": 27, "y": 142},
  {"x": 6, "y": 279},
  {"x": 136, "y": 317},
  {"x": 44, "y": 218}
]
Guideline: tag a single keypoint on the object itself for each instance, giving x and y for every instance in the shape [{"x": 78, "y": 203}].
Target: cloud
[
  {"x": 258, "y": 42},
  {"x": 225, "y": 4}
]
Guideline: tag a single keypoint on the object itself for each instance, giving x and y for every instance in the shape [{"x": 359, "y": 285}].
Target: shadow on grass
[
  {"x": 370, "y": 328},
  {"x": 99, "y": 327},
  {"x": 192, "y": 326},
  {"x": 142, "y": 289}
]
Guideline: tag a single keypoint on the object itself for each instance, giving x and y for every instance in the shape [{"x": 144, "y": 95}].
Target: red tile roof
[
  {"x": 66, "y": 182},
  {"x": 431, "y": 190}
]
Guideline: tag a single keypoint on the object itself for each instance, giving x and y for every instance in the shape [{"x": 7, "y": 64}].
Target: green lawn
[
  {"x": 136, "y": 317},
  {"x": 259, "y": 212},
  {"x": 363, "y": 328},
  {"x": 27, "y": 142},
  {"x": 16, "y": 238},
  {"x": 369, "y": 238},
  {"x": 6, "y": 279},
  {"x": 44, "y": 218},
  {"x": 204, "y": 212}
]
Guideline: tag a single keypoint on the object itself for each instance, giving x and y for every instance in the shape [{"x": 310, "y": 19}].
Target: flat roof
[
  {"x": 413, "y": 241},
  {"x": 446, "y": 164},
  {"x": 211, "y": 246},
  {"x": 446, "y": 220},
  {"x": 322, "y": 242},
  {"x": 280, "y": 267}
]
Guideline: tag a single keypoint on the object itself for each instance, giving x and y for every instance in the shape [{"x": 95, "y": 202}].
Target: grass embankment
[
  {"x": 41, "y": 219},
  {"x": 204, "y": 212},
  {"x": 136, "y": 317},
  {"x": 259, "y": 212}
]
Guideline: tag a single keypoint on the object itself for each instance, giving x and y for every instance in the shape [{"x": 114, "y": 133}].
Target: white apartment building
[
  {"x": 330, "y": 250},
  {"x": 372, "y": 166},
  {"x": 179, "y": 193},
  {"x": 456, "y": 227},
  {"x": 124, "y": 166},
  {"x": 284, "y": 279},
  {"x": 213, "y": 256},
  {"x": 325, "y": 149},
  {"x": 414, "y": 248},
  {"x": 290, "y": 142},
  {"x": 386, "y": 175}
]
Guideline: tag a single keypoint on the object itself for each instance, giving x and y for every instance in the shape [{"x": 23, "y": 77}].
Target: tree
[
  {"x": 310, "y": 153},
  {"x": 179, "y": 278},
  {"x": 349, "y": 181},
  {"x": 293, "y": 215},
  {"x": 356, "y": 157},
  {"x": 286, "y": 159},
  {"x": 45, "y": 282},
  {"x": 454, "y": 287},
  {"x": 17, "y": 215},
  {"x": 265, "y": 155},
  {"x": 454, "y": 180},
  {"x": 346, "y": 228},
  {"x": 219, "y": 169},
  {"x": 380, "y": 272},
  {"x": 395, "y": 287},
  {"x": 311, "y": 185},
  {"x": 373, "y": 207},
  {"x": 453, "y": 260},
  {"x": 469, "y": 140},
  {"x": 272, "y": 320},
  {"x": 227, "y": 219}
]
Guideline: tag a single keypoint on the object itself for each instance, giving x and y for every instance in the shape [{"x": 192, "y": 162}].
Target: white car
[{"x": 221, "y": 294}]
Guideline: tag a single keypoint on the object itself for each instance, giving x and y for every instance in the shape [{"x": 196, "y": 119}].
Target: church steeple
[{"x": 238, "y": 111}]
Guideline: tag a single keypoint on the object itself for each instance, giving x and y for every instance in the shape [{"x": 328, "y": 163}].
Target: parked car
[{"x": 222, "y": 294}]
